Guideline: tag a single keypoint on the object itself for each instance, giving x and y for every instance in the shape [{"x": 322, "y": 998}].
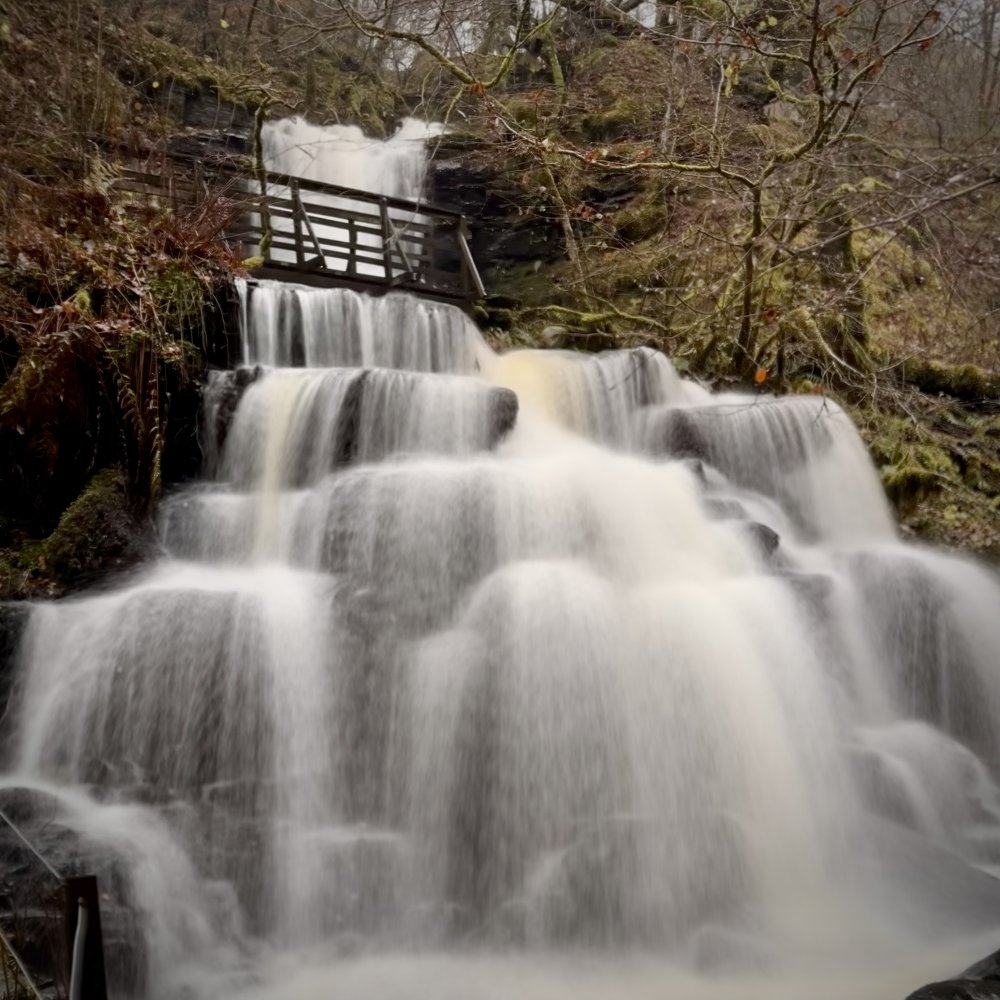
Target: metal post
[
  {"x": 470, "y": 274},
  {"x": 87, "y": 946},
  {"x": 79, "y": 943}
]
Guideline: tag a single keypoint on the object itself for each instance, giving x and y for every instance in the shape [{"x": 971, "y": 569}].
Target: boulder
[
  {"x": 980, "y": 981},
  {"x": 959, "y": 989}
]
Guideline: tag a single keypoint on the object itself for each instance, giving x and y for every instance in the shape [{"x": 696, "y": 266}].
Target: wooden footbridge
[{"x": 312, "y": 233}]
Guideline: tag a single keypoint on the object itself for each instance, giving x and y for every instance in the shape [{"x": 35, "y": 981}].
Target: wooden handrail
[
  {"x": 236, "y": 173},
  {"x": 328, "y": 233},
  {"x": 417, "y": 206}
]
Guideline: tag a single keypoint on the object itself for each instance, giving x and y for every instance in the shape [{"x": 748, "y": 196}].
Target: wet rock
[
  {"x": 98, "y": 534},
  {"x": 764, "y": 539},
  {"x": 222, "y": 393},
  {"x": 986, "y": 968},
  {"x": 680, "y": 436},
  {"x": 980, "y": 981},
  {"x": 504, "y": 407},
  {"x": 959, "y": 989}
]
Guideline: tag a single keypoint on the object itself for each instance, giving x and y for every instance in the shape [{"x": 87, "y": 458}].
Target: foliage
[{"x": 96, "y": 295}]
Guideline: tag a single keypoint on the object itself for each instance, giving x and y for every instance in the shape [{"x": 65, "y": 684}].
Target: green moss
[
  {"x": 643, "y": 218},
  {"x": 97, "y": 533},
  {"x": 908, "y": 485},
  {"x": 965, "y": 382},
  {"x": 180, "y": 297},
  {"x": 610, "y": 106}
]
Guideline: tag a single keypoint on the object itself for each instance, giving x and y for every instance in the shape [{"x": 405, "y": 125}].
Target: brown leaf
[
  {"x": 760, "y": 376},
  {"x": 840, "y": 10}
]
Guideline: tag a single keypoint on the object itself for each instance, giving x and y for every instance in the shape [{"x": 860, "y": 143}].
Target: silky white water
[{"x": 537, "y": 675}]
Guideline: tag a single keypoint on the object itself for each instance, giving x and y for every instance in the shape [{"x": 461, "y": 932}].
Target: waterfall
[{"x": 465, "y": 675}]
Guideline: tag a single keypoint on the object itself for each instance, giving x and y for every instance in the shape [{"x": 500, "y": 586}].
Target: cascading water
[{"x": 540, "y": 675}]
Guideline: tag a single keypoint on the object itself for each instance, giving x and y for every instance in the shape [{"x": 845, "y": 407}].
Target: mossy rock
[
  {"x": 611, "y": 106},
  {"x": 909, "y": 485},
  {"x": 965, "y": 382},
  {"x": 643, "y": 218},
  {"x": 96, "y": 535}
]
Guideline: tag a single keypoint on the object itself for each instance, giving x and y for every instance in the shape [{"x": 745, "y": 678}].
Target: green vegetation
[{"x": 98, "y": 533}]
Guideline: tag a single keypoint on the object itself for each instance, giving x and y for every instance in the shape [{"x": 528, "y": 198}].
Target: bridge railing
[{"x": 320, "y": 233}]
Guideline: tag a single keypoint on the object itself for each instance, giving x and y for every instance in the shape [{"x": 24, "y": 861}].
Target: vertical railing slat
[
  {"x": 352, "y": 248},
  {"x": 386, "y": 240},
  {"x": 300, "y": 252}
]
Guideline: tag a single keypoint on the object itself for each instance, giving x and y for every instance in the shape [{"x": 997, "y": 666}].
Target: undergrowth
[{"x": 99, "y": 299}]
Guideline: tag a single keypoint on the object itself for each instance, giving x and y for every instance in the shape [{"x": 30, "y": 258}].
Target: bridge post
[
  {"x": 300, "y": 254},
  {"x": 386, "y": 240},
  {"x": 352, "y": 247}
]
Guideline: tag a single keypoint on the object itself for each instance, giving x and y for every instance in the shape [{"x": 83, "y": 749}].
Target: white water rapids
[{"x": 473, "y": 677}]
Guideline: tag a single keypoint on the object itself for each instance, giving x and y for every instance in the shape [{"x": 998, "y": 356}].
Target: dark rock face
[
  {"x": 764, "y": 539},
  {"x": 959, "y": 989},
  {"x": 222, "y": 394},
  {"x": 13, "y": 619},
  {"x": 182, "y": 454},
  {"x": 504, "y": 414},
  {"x": 500, "y": 236},
  {"x": 193, "y": 415},
  {"x": 98, "y": 534},
  {"x": 216, "y": 129},
  {"x": 986, "y": 968},
  {"x": 980, "y": 981}
]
